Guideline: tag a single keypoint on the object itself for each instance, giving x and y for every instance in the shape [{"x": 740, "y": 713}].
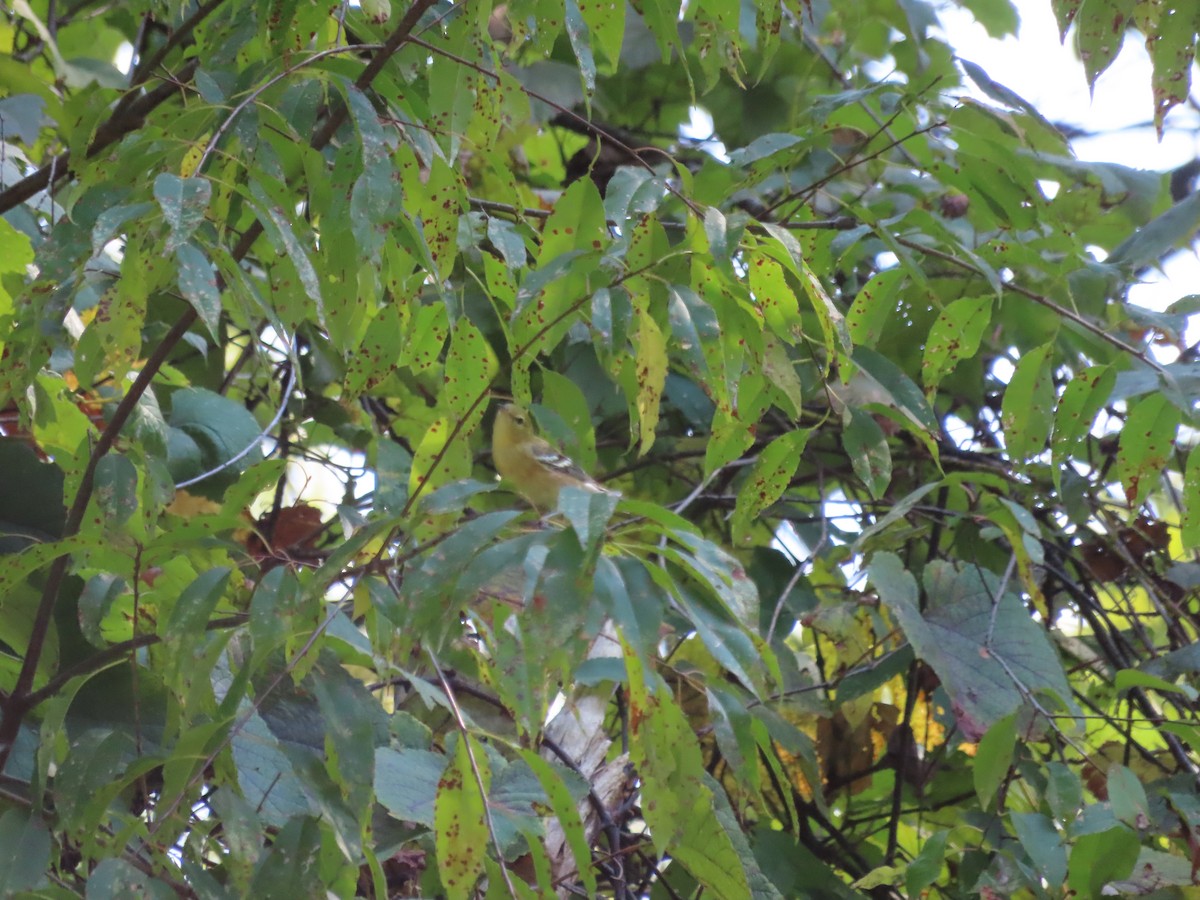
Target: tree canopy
[{"x": 894, "y": 593}]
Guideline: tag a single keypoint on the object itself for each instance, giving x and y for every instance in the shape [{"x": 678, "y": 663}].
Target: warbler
[{"x": 533, "y": 467}]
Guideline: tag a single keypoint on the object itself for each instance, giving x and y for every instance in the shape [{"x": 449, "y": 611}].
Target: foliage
[{"x": 898, "y": 596}]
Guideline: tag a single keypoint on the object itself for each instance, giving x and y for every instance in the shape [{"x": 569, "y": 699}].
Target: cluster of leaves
[{"x": 895, "y": 598}]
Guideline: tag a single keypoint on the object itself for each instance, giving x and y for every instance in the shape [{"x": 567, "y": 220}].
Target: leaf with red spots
[
  {"x": 768, "y": 479},
  {"x": 1026, "y": 410},
  {"x": 1082, "y": 399},
  {"x": 378, "y": 353},
  {"x": 470, "y": 366},
  {"x": 606, "y": 23},
  {"x": 1170, "y": 30},
  {"x": 1100, "y": 31},
  {"x": 873, "y": 306},
  {"x": 442, "y": 456},
  {"x": 650, "y": 370},
  {"x": 576, "y": 223},
  {"x": 459, "y": 817},
  {"x": 677, "y": 804},
  {"x": 955, "y": 336},
  {"x": 1147, "y": 443},
  {"x": 424, "y": 338},
  {"x": 775, "y": 296}
]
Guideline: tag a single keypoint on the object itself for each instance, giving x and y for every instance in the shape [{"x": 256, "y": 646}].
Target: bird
[{"x": 534, "y": 468}]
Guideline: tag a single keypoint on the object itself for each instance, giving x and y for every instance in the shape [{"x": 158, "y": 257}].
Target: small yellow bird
[{"x": 533, "y": 467}]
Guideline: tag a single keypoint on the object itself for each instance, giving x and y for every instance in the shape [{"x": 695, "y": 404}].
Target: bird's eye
[{"x": 520, "y": 420}]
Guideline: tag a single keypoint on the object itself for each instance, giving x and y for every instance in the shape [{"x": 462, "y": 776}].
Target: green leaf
[
  {"x": 1128, "y": 797},
  {"x": 662, "y": 17},
  {"x": 651, "y": 373},
  {"x": 729, "y": 645},
  {"x": 925, "y": 868},
  {"x": 109, "y": 222},
  {"x": 24, "y": 851},
  {"x": 183, "y": 202},
  {"x": 723, "y": 573},
  {"x": 1064, "y": 791},
  {"x": 406, "y": 783},
  {"x": 761, "y": 148},
  {"x": 1101, "y": 857},
  {"x": 425, "y": 337},
  {"x": 776, "y": 297},
  {"x": 470, "y": 367},
  {"x": 1147, "y": 444},
  {"x": 577, "y": 33},
  {"x": 867, "y": 447},
  {"x": 1154, "y": 872},
  {"x": 442, "y": 457},
  {"x": 1082, "y": 399},
  {"x": 563, "y": 417},
  {"x": 696, "y": 332},
  {"x": 955, "y": 336},
  {"x": 461, "y": 829},
  {"x": 1147, "y": 245},
  {"x": 780, "y": 373},
  {"x": 772, "y": 472},
  {"x": 567, "y": 815},
  {"x": 722, "y": 243},
  {"x": 1172, "y": 52},
  {"x": 115, "y": 878},
  {"x": 1100, "y": 31},
  {"x": 906, "y": 396},
  {"x": 378, "y": 353},
  {"x": 198, "y": 284},
  {"x": 354, "y": 724},
  {"x": 873, "y": 306},
  {"x": 677, "y": 804},
  {"x": 95, "y": 602},
  {"x": 95, "y": 770},
  {"x": 1190, "y": 528},
  {"x": 373, "y": 138},
  {"x": 225, "y": 433},
  {"x": 507, "y": 239},
  {"x": 577, "y": 222},
  {"x": 1129, "y": 678},
  {"x": 606, "y": 23},
  {"x": 999, "y": 92},
  {"x": 993, "y": 758},
  {"x": 116, "y": 487},
  {"x": 1000, "y": 19},
  {"x": 895, "y": 514},
  {"x": 190, "y": 613},
  {"x": 787, "y": 251},
  {"x": 278, "y": 226},
  {"x": 1044, "y": 844},
  {"x": 1025, "y": 410},
  {"x": 22, "y": 116},
  {"x": 279, "y": 873},
  {"x": 588, "y": 513},
  {"x": 429, "y": 583},
  {"x": 983, "y": 645},
  {"x": 630, "y": 596}
]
